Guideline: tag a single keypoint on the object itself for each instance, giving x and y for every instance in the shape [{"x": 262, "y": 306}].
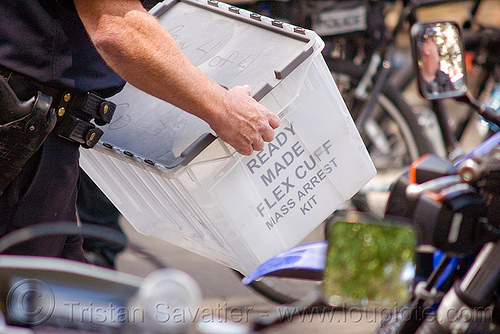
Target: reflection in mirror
[
  {"x": 437, "y": 47},
  {"x": 369, "y": 263}
]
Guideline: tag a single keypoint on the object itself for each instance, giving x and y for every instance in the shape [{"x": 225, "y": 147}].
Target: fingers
[
  {"x": 245, "y": 151},
  {"x": 264, "y": 133},
  {"x": 247, "y": 125},
  {"x": 274, "y": 121},
  {"x": 268, "y": 135},
  {"x": 258, "y": 145}
]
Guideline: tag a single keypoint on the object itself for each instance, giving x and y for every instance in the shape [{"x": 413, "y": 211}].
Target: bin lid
[{"x": 231, "y": 45}]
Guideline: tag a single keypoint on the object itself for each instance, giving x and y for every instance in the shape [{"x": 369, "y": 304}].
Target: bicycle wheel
[
  {"x": 392, "y": 134},
  {"x": 394, "y": 139}
]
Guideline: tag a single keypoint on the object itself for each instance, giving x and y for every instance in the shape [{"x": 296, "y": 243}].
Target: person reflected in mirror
[{"x": 434, "y": 79}]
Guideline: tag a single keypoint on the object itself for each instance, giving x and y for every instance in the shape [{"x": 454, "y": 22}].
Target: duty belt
[{"x": 75, "y": 110}]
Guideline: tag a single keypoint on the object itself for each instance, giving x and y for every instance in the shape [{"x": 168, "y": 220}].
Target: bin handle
[{"x": 193, "y": 150}]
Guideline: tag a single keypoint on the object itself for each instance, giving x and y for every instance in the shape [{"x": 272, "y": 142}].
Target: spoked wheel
[
  {"x": 393, "y": 138},
  {"x": 392, "y": 134}
]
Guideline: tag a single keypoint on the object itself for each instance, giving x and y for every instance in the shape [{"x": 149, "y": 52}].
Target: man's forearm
[{"x": 140, "y": 50}]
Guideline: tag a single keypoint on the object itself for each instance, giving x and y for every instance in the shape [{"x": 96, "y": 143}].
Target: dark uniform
[
  {"x": 441, "y": 84},
  {"x": 45, "y": 40}
]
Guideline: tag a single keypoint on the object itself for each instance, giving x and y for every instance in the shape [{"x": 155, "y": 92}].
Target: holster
[{"x": 24, "y": 126}]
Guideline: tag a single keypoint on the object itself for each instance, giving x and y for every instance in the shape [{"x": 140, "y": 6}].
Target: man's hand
[{"x": 244, "y": 123}]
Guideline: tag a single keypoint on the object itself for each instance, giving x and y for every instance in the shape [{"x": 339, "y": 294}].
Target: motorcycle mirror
[
  {"x": 369, "y": 262},
  {"x": 438, "y": 55}
]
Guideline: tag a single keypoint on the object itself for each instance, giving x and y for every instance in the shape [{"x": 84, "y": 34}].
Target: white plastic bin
[{"x": 165, "y": 172}]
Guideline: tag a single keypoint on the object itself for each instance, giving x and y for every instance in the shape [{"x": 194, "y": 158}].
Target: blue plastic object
[
  {"x": 301, "y": 262},
  {"x": 450, "y": 268},
  {"x": 481, "y": 149}
]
